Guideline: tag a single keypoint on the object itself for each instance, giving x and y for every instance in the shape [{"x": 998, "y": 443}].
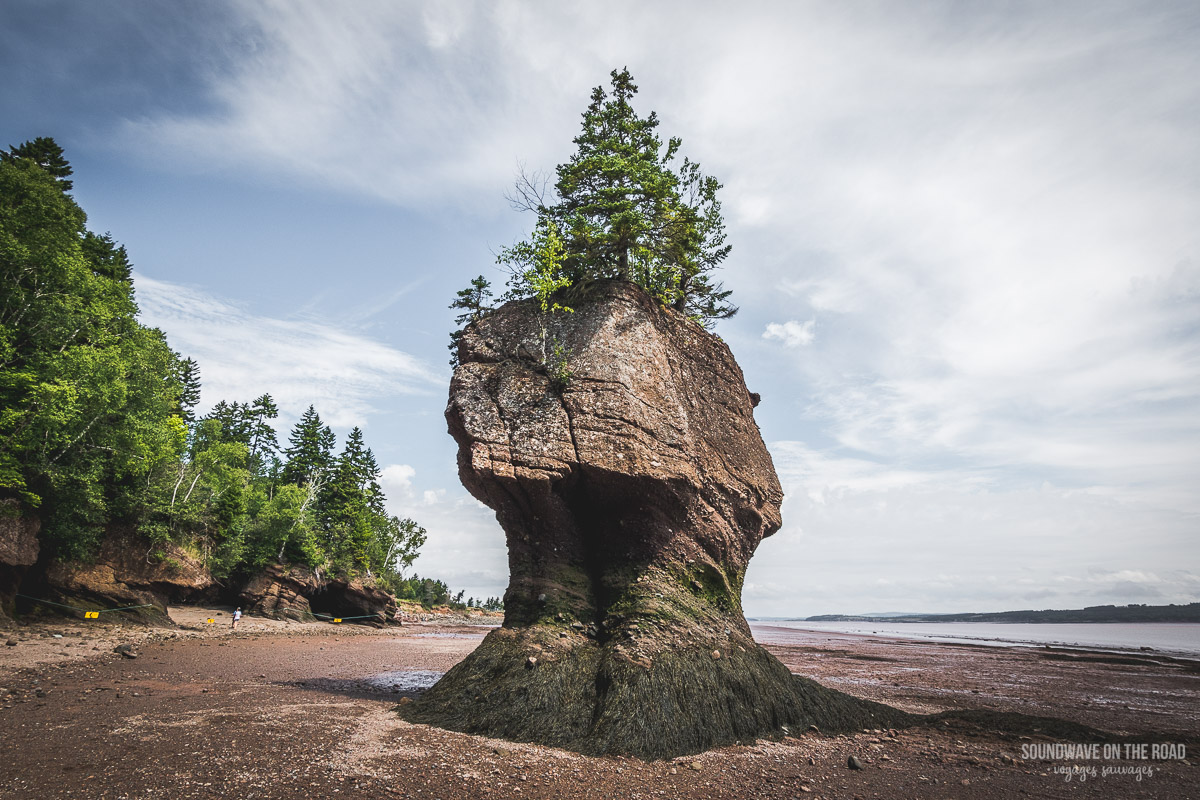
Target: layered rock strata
[{"x": 618, "y": 448}]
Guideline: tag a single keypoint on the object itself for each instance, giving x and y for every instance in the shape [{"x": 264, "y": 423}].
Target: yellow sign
[
  {"x": 337, "y": 619},
  {"x": 91, "y": 615},
  {"x": 210, "y": 620}
]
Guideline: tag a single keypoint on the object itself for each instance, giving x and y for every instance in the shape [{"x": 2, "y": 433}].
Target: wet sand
[{"x": 296, "y": 710}]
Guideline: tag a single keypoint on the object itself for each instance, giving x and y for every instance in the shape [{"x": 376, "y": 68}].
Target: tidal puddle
[
  {"x": 404, "y": 680},
  {"x": 448, "y": 635}
]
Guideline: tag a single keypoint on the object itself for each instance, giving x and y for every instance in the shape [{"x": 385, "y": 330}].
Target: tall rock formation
[{"x": 633, "y": 493}]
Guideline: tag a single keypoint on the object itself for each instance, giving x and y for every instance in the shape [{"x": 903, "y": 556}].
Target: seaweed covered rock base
[{"x": 618, "y": 448}]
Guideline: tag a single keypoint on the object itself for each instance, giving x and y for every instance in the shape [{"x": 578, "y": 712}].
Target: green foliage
[
  {"x": 189, "y": 389},
  {"x": 536, "y": 267},
  {"x": 558, "y": 366},
  {"x": 426, "y": 591},
  {"x": 97, "y": 416},
  {"x": 88, "y": 397},
  {"x": 310, "y": 449},
  {"x": 624, "y": 210},
  {"x": 45, "y": 153},
  {"x": 536, "y": 271}
]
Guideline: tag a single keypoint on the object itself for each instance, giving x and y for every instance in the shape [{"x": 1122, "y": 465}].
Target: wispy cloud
[
  {"x": 298, "y": 362},
  {"x": 416, "y": 104}
]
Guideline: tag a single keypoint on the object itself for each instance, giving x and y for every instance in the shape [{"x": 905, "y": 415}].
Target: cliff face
[
  {"x": 125, "y": 573},
  {"x": 632, "y": 499},
  {"x": 18, "y": 552},
  {"x": 296, "y": 592}
]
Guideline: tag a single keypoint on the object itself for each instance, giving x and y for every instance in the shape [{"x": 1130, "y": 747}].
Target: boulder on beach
[{"x": 618, "y": 448}]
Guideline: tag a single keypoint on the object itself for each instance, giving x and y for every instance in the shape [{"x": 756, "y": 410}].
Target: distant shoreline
[{"x": 1132, "y": 613}]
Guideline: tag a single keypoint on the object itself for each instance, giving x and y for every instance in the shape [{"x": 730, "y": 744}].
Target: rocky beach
[{"x": 283, "y": 709}]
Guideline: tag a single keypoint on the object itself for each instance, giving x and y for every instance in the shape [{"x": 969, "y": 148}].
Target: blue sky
[{"x": 965, "y": 248}]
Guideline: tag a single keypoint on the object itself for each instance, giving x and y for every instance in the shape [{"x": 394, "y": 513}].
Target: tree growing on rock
[
  {"x": 473, "y": 302},
  {"x": 623, "y": 207}
]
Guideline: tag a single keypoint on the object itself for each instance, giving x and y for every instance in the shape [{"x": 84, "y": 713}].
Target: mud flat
[{"x": 303, "y": 710}]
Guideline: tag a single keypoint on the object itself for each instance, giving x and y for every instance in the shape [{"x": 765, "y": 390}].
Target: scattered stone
[
  {"x": 56, "y": 635},
  {"x": 696, "y": 765},
  {"x": 853, "y": 763},
  {"x": 716, "y": 654},
  {"x": 126, "y": 650},
  {"x": 966, "y": 782},
  {"x": 11, "y": 643},
  {"x": 531, "y": 662}
]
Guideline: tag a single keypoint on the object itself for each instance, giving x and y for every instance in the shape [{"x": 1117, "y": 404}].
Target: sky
[{"x": 965, "y": 247}]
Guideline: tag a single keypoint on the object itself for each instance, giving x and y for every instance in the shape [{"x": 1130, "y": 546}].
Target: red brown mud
[{"x": 283, "y": 711}]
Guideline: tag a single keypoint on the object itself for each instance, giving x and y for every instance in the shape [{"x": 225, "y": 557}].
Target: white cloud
[
  {"x": 412, "y": 103},
  {"x": 396, "y": 479},
  {"x": 792, "y": 333},
  {"x": 861, "y": 536},
  {"x": 992, "y": 213},
  {"x": 297, "y": 362}
]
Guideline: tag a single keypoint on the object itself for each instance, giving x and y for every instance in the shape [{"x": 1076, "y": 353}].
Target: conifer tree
[
  {"x": 47, "y": 154},
  {"x": 263, "y": 443},
  {"x": 625, "y": 211},
  {"x": 474, "y": 302},
  {"x": 310, "y": 449},
  {"x": 189, "y": 392}
]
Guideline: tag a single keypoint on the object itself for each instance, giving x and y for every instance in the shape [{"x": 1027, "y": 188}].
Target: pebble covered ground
[{"x": 305, "y": 710}]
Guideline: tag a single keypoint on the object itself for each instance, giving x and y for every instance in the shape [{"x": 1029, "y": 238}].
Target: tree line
[{"x": 98, "y": 424}]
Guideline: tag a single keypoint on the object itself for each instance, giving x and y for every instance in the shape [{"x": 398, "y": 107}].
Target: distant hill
[{"x": 1131, "y": 613}]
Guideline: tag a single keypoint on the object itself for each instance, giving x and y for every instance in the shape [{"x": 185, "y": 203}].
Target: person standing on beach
[{"x": 237, "y": 617}]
